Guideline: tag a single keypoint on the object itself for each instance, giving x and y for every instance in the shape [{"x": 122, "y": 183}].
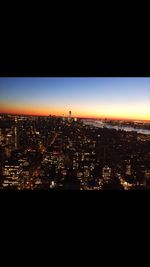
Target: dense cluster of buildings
[{"x": 64, "y": 153}]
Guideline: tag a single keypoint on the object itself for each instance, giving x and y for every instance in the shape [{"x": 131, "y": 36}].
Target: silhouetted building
[{"x": 69, "y": 118}]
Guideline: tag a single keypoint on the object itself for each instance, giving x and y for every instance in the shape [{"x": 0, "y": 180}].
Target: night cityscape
[{"x": 74, "y": 134}]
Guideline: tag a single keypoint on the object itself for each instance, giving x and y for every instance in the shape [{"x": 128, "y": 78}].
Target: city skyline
[{"x": 114, "y": 98}]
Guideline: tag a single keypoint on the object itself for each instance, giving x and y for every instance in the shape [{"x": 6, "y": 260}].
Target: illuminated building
[
  {"x": 86, "y": 172},
  {"x": 0, "y": 135},
  {"x": 52, "y": 185},
  {"x": 128, "y": 168},
  {"x": 11, "y": 174},
  {"x": 25, "y": 177},
  {"x": 106, "y": 173},
  {"x": 8, "y": 139},
  {"x": 15, "y": 137}
]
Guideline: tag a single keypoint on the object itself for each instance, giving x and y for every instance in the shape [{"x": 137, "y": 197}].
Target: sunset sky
[{"x": 122, "y": 98}]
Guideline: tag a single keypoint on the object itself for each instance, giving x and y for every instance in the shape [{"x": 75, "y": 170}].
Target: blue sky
[{"x": 76, "y": 93}]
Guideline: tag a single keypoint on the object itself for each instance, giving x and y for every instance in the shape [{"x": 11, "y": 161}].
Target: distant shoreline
[{"x": 83, "y": 118}]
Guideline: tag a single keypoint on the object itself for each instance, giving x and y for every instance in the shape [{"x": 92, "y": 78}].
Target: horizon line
[{"x": 80, "y": 117}]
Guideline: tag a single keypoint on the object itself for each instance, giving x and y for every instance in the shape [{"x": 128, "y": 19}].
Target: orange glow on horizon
[
  {"x": 35, "y": 113},
  {"x": 93, "y": 112}
]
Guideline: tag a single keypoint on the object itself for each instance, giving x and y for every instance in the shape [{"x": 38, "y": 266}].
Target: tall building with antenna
[
  {"x": 106, "y": 171},
  {"x": 69, "y": 118}
]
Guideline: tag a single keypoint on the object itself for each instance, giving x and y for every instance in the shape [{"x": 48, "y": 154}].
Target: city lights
[
  {"x": 74, "y": 134},
  {"x": 50, "y": 153}
]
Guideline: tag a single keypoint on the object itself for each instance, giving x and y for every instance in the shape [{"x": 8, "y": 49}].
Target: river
[{"x": 100, "y": 124}]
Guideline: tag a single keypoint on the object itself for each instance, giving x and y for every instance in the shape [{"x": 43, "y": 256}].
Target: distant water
[{"x": 99, "y": 124}]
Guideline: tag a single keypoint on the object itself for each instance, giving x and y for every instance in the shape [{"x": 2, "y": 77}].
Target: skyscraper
[
  {"x": 17, "y": 133},
  {"x": 106, "y": 173},
  {"x": 15, "y": 137},
  {"x": 69, "y": 118},
  {"x": 128, "y": 168},
  {"x": 0, "y": 135}
]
